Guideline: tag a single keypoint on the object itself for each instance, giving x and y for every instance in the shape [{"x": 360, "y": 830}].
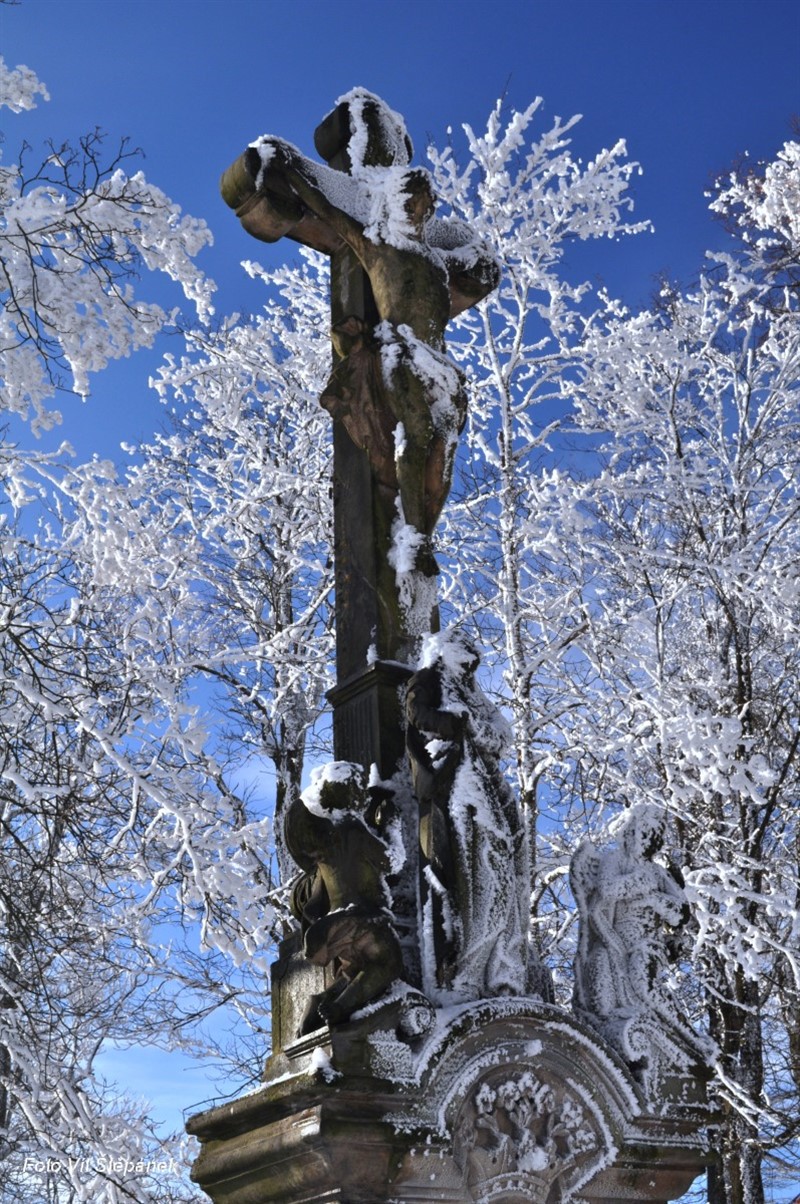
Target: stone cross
[
  {"x": 398, "y": 404},
  {"x": 367, "y": 1088}
]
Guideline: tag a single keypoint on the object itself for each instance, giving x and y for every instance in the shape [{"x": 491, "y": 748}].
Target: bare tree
[{"x": 688, "y": 676}]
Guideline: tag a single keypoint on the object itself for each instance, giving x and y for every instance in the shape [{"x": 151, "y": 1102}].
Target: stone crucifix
[{"x": 397, "y": 276}]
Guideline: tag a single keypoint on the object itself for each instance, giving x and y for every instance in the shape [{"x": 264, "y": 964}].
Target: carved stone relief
[{"x": 525, "y": 1136}]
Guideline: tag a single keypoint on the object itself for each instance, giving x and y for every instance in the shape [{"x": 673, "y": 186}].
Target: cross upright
[{"x": 397, "y": 276}]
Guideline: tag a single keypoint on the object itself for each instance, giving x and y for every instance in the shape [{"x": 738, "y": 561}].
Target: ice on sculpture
[
  {"x": 630, "y": 909},
  {"x": 476, "y": 865}
]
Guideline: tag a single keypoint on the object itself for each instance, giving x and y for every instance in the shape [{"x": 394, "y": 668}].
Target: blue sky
[{"x": 689, "y": 83}]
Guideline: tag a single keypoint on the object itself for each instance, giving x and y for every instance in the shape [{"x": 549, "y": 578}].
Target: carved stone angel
[
  {"x": 475, "y": 862},
  {"x": 340, "y": 898},
  {"x": 630, "y": 908}
]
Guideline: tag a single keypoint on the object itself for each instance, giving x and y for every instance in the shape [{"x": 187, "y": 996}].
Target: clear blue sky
[{"x": 689, "y": 83}]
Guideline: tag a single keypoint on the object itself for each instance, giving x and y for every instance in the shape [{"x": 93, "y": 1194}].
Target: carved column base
[
  {"x": 507, "y": 1102},
  {"x": 369, "y": 728},
  {"x": 368, "y": 722}
]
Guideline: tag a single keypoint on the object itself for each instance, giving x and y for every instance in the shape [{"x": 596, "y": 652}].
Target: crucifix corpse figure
[{"x": 401, "y": 401}]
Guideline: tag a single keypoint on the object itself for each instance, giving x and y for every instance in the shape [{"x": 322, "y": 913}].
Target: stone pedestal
[
  {"x": 507, "y": 1102},
  {"x": 368, "y": 723}
]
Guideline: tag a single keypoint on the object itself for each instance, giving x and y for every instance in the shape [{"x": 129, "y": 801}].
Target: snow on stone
[
  {"x": 491, "y": 918},
  {"x": 417, "y": 593},
  {"x": 393, "y": 127},
  {"x": 391, "y": 833},
  {"x": 332, "y": 771},
  {"x": 400, "y": 443},
  {"x": 320, "y": 1064},
  {"x": 376, "y": 196},
  {"x": 406, "y": 541}
]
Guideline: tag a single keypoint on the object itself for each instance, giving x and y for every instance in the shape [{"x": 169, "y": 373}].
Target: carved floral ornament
[{"x": 522, "y": 1137}]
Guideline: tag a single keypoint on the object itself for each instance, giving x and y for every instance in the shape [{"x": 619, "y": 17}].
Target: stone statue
[
  {"x": 340, "y": 898},
  {"x": 398, "y": 275},
  {"x": 393, "y": 389},
  {"x": 630, "y": 910},
  {"x": 475, "y": 1090},
  {"x": 475, "y": 864}
]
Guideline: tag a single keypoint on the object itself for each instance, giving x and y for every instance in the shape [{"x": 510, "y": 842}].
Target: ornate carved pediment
[{"x": 507, "y": 1102}]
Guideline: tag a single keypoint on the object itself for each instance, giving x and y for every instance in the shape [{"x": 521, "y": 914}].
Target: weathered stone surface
[
  {"x": 341, "y": 898},
  {"x": 631, "y": 909},
  {"x": 508, "y": 1102},
  {"x": 368, "y": 718},
  {"x": 398, "y": 403},
  {"x": 475, "y": 859},
  {"x": 502, "y": 1101}
]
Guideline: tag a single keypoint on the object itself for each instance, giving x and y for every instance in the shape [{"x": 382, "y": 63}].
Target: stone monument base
[{"x": 510, "y": 1101}]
